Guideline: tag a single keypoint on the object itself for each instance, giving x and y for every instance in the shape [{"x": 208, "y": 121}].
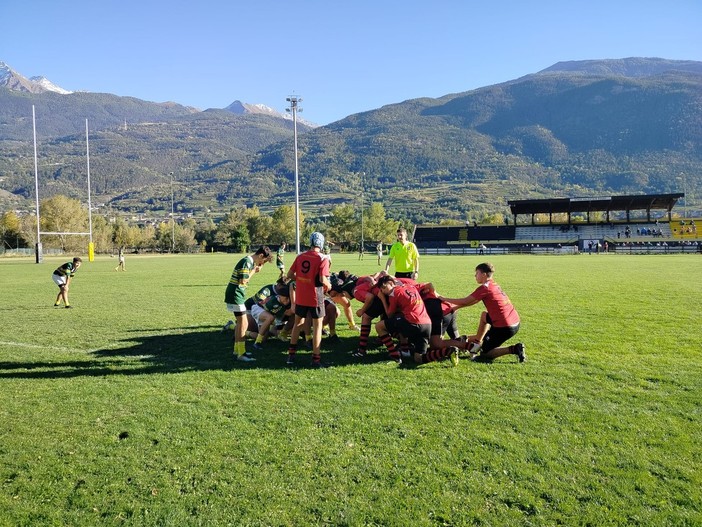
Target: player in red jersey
[
  {"x": 310, "y": 270},
  {"x": 498, "y": 324},
  {"x": 366, "y": 292},
  {"x": 406, "y": 316}
]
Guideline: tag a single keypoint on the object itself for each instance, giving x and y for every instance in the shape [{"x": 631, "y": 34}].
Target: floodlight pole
[
  {"x": 293, "y": 110},
  {"x": 363, "y": 184}
]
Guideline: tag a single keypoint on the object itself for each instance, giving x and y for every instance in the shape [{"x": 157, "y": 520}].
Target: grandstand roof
[{"x": 604, "y": 204}]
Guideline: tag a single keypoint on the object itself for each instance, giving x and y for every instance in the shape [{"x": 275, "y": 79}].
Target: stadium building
[{"x": 622, "y": 224}]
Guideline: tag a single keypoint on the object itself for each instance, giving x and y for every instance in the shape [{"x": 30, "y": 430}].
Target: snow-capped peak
[
  {"x": 9, "y": 78},
  {"x": 48, "y": 85}
]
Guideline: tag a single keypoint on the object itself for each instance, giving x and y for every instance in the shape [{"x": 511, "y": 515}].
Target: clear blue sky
[{"x": 341, "y": 57}]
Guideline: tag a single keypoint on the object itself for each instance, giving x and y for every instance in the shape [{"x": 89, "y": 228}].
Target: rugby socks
[
  {"x": 436, "y": 354},
  {"x": 316, "y": 358},
  {"x": 390, "y": 345},
  {"x": 292, "y": 350},
  {"x": 363, "y": 340},
  {"x": 259, "y": 339},
  {"x": 239, "y": 348}
]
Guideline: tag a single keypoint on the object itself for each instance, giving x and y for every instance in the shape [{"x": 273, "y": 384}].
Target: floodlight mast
[
  {"x": 363, "y": 184},
  {"x": 293, "y": 100}
]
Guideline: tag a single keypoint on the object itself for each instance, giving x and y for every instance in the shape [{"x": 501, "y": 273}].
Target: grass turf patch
[{"x": 130, "y": 408}]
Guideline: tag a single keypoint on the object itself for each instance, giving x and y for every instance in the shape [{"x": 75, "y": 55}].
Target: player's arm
[
  {"x": 291, "y": 308},
  {"x": 366, "y": 304},
  {"x": 387, "y": 264},
  {"x": 461, "y": 302},
  {"x": 415, "y": 258}
]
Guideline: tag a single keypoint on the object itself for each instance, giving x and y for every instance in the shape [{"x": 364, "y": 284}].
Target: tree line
[{"x": 242, "y": 227}]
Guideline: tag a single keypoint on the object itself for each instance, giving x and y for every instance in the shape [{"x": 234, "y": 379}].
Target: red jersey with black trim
[
  {"x": 309, "y": 268},
  {"x": 497, "y": 303},
  {"x": 364, "y": 285},
  {"x": 430, "y": 294},
  {"x": 406, "y": 300}
]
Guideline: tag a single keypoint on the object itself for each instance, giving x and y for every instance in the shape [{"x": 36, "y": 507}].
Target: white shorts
[
  {"x": 256, "y": 312},
  {"x": 236, "y": 308},
  {"x": 58, "y": 279}
]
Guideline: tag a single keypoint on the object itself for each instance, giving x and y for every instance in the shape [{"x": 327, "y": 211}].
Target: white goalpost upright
[{"x": 38, "y": 247}]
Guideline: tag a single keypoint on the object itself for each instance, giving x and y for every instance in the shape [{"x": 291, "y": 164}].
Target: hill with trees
[{"x": 574, "y": 129}]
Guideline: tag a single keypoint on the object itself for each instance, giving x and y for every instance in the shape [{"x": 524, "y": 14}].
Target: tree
[
  {"x": 185, "y": 237},
  {"x": 164, "y": 236},
  {"x": 344, "y": 225},
  {"x": 377, "y": 227},
  {"x": 241, "y": 239},
  {"x": 260, "y": 226},
  {"x": 63, "y": 214},
  {"x": 120, "y": 233},
  {"x": 102, "y": 234},
  {"x": 10, "y": 230},
  {"x": 229, "y": 225},
  {"x": 284, "y": 224}
]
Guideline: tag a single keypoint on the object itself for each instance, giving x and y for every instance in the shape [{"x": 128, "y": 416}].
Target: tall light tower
[
  {"x": 363, "y": 185},
  {"x": 294, "y": 108}
]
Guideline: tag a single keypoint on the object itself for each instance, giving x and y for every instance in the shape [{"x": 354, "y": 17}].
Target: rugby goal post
[{"x": 39, "y": 257}]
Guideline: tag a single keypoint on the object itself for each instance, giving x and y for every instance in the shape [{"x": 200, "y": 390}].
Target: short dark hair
[
  {"x": 264, "y": 250},
  {"x": 77, "y": 260},
  {"x": 385, "y": 279},
  {"x": 485, "y": 267}
]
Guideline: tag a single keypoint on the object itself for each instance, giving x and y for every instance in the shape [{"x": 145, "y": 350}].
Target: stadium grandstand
[{"x": 622, "y": 224}]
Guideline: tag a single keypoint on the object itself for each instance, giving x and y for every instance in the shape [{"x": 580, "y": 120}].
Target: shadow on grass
[{"x": 196, "y": 349}]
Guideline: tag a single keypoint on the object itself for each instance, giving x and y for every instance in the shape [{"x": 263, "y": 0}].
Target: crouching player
[
  {"x": 406, "y": 315},
  {"x": 269, "y": 312},
  {"x": 498, "y": 323}
]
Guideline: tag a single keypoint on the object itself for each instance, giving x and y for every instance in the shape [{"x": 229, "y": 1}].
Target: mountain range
[{"x": 573, "y": 129}]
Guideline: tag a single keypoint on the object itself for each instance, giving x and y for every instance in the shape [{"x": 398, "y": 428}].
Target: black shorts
[
  {"x": 376, "y": 309},
  {"x": 441, "y": 323},
  {"x": 312, "y": 312},
  {"x": 497, "y": 336},
  {"x": 417, "y": 334},
  {"x": 404, "y": 275}
]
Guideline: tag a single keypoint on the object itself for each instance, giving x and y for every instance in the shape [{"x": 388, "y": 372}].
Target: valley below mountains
[{"x": 586, "y": 128}]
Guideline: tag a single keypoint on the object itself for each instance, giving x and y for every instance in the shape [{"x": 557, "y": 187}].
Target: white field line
[
  {"x": 52, "y": 348},
  {"x": 37, "y": 346}
]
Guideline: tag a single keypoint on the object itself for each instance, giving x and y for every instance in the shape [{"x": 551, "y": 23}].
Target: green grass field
[{"x": 130, "y": 409}]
